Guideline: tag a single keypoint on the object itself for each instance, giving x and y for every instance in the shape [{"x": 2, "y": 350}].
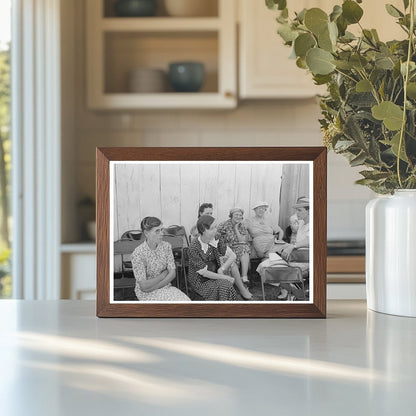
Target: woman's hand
[
  {"x": 294, "y": 225},
  {"x": 287, "y": 251},
  {"x": 229, "y": 278},
  {"x": 279, "y": 233}
]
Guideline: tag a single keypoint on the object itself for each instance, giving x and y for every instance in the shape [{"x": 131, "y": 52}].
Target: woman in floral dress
[
  {"x": 235, "y": 235},
  {"x": 154, "y": 266}
]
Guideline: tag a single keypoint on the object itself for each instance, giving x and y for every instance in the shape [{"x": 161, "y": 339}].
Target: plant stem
[{"x": 406, "y": 78}]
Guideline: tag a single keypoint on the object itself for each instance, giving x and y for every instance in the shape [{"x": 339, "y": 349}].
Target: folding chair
[
  {"x": 177, "y": 243},
  {"x": 283, "y": 274},
  {"x": 125, "y": 246},
  {"x": 177, "y": 230}
]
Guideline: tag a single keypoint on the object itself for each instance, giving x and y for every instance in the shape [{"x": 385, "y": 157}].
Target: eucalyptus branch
[
  {"x": 406, "y": 79},
  {"x": 373, "y": 88},
  {"x": 392, "y": 91},
  {"x": 346, "y": 75}
]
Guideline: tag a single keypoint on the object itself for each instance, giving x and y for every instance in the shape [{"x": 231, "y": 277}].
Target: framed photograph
[{"x": 211, "y": 232}]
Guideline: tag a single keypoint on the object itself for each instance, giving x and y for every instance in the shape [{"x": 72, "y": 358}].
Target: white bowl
[
  {"x": 191, "y": 8},
  {"x": 92, "y": 230},
  {"x": 147, "y": 80}
]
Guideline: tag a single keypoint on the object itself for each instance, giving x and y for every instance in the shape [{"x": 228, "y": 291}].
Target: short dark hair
[
  {"x": 204, "y": 222},
  {"x": 202, "y": 208},
  {"x": 149, "y": 223}
]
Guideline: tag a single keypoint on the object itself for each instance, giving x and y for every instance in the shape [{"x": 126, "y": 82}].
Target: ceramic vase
[{"x": 391, "y": 253}]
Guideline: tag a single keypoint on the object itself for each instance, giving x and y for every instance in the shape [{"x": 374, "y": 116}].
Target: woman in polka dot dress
[{"x": 206, "y": 274}]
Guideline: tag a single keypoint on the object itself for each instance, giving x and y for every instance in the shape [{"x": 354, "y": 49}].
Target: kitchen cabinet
[
  {"x": 78, "y": 264},
  {"x": 118, "y": 45},
  {"x": 265, "y": 70}
]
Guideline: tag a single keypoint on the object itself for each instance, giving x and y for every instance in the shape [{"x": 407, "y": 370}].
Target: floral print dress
[
  {"x": 147, "y": 264},
  {"x": 227, "y": 233}
]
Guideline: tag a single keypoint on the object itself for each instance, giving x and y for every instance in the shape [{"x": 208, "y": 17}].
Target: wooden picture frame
[{"x": 255, "y": 159}]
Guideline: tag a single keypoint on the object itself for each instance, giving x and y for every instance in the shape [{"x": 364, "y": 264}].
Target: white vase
[{"x": 391, "y": 253}]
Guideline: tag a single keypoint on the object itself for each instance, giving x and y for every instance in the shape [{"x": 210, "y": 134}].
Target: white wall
[{"x": 174, "y": 192}]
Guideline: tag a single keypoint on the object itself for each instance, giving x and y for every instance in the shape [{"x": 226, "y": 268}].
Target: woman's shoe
[
  {"x": 250, "y": 297},
  {"x": 283, "y": 294}
]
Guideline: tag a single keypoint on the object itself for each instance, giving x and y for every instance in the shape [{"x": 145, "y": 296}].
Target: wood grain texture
[
  {"x": 346, "y": 264},
  {"x": 317, "y": 309}
]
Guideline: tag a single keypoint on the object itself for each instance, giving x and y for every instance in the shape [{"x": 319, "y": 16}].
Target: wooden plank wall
[{"x": 173, "y": 192}]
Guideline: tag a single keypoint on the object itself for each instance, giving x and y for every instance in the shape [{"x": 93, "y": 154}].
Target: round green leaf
[
  {"x": 411, "y": 90},
  {"x": 333, "y": 32},
  {"x": 358, "y": 61},
  {"x": 316, "y": 20},
  {"x": 324, "y": 41},
  {"x": 344, "y": 65},
  {"x": 319, "y": 61},
  {"x": 351, "y": 11},
  {"x": 394, "y": 143},
  {"x": 303, "y": 43},
  {"x": 336, "y": 12},
  {"x": 287, "y": 33},
  {"x": 363, "y": 86},
  {"x": 384, "y": 62},
  {"x": 301, "y": 63},
  {"x": 391, "y": 114}
]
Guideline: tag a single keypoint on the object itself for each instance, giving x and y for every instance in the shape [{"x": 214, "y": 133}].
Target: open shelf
[
  {"x": 116, "y": 46},
  {"x": 160, "y": 24},
  {"x": 210, "y": 9},
  {"x": 127, "y": 51}
]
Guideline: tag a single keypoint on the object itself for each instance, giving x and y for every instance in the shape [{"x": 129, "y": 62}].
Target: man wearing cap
[{"x": 299, "y": 226}]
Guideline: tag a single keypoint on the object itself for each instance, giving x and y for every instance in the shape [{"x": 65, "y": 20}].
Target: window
[{"x": 5, "y": 147}]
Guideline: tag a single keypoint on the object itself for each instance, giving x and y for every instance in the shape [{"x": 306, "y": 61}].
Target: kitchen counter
[{"x": 57, "y": 358}]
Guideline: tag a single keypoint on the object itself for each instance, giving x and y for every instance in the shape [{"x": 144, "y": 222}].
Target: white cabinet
[
  {"x": 118, "y": 45},
  {"x": 265, "y": 70},
  {"x": 78, "y": 264}
]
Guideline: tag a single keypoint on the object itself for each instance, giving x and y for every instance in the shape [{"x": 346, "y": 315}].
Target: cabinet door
[
  {"x": 78, "y": 276},
  {"x": 266, "y": 71}
]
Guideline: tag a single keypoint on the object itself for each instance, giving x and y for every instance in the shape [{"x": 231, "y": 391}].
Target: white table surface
[{"x": 57, "y": 358}]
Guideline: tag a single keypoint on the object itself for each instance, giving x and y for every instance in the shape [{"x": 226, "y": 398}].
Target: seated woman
[
  {"x": 262, "y": 231},
  {"x": 204, "y": 209},
  {"x": 206, "y": 274},
  {"x": 234, "y": 233},
  {"x": 154, "y": 266}
]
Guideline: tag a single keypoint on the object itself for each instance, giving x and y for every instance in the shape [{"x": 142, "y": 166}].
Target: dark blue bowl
[
  {"x": 186, "y": 76},
  {"x": 135, "y": 8}
]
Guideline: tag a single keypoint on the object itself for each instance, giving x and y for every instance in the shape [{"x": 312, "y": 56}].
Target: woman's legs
[
  {"x": 245, "y": 262},
  {"x": 245, "y": 293}
]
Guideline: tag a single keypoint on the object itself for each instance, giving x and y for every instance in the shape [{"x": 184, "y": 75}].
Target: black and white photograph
[{"x": 214, "y": 231}]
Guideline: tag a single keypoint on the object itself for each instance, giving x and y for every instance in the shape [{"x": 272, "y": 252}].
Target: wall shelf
[
  {"x": 160, "y": 24},
  {"x": 116, "y": 46}
]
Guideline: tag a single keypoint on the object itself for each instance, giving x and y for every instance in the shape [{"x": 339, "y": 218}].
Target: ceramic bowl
[
  {"x": 186, "y": 76},
  {"x": 147, "y": 80},
  {"x": 92, "y": 230},
  {"x": 135, "y": 8}
]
